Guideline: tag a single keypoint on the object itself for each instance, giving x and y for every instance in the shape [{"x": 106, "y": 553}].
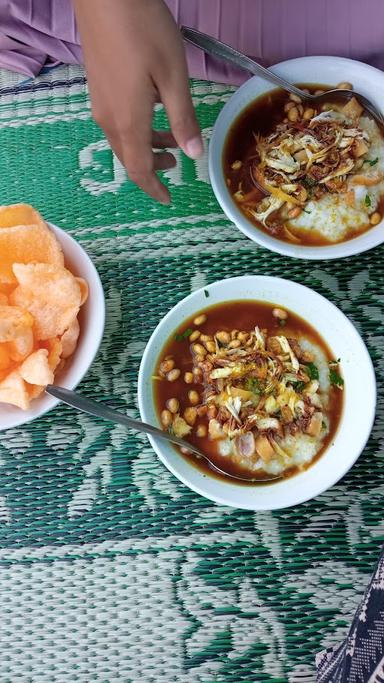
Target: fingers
[
  {"x": 164, "y": 160},
  {"x": 177, "y": 100},
  {"x": 161, "y": 162},
  {"x": 132, "y": 141},
  {"x": 162, "y": 139}
]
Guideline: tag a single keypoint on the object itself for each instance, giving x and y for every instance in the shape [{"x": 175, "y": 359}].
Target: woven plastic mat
[{"x": 110, "y": 569}]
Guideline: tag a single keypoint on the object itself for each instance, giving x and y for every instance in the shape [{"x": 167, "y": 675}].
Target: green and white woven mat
[{"x": 110, "y": 569}]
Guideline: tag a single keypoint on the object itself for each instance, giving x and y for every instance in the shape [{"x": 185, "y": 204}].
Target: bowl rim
[
  {"x": 215, "y": 150},
  {"x": 66, "y": 240},
  {"x": 160, "y": 446}
]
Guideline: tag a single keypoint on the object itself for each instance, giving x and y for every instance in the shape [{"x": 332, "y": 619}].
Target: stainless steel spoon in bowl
[
  {"x": 216, "y": 48},
  {"x": 86, "y": 405}
]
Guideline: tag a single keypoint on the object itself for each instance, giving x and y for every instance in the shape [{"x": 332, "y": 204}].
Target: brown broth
[
  {"x": 261, "y": 116},
  {"x": 240, "y": 315}
]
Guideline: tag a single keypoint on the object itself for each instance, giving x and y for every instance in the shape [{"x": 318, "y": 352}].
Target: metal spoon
[
  {"x": 218, "y": 49},
  {"x": 86, "y": 405}
]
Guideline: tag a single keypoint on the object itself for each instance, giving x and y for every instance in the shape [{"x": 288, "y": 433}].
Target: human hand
[{"x": 134, "y": 56}]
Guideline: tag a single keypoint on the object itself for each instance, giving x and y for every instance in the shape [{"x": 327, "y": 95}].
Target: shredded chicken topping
[
  {"x": 302, "y": 160},
  {"x": 260, "y": 390}
]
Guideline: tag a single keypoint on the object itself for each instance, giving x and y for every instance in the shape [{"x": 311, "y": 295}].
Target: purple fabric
[{"x": 36, "y": 32}]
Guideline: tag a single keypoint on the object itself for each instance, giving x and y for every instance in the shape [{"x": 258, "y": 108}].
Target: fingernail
[
  {"x": 194, "y": 147},
  {"x": 165, "y": 200}
]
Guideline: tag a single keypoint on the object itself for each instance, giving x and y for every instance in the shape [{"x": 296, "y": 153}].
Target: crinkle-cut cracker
[
  {"x": 25, "y": 238},
  {"x": 70, "y": 338},
  {"x": 34, "y": 391},
  {"x": 6, "y": 289},
  {"x": 5, "y": 358},
  {"x": 84, "y": 289},
  {"x": 51, "y": 294},
  {"x": 35, "y": 369},
  {"x": 14, "y": 391},
  {"x": 27, "y": 244},
  {"x": 55, "y": 348},
  {"x": 14, "y": 321},
  {"x": 22, "y": 346},
  {"x": 18, "y": 214}
]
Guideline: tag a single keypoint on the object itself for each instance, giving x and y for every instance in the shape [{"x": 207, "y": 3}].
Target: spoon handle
[
  {"x": 218, "y": 49},
  {"x": 86, "y": 405}
]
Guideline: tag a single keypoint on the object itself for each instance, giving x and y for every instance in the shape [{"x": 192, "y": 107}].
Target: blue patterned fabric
[{"x": 360, "y": 658}]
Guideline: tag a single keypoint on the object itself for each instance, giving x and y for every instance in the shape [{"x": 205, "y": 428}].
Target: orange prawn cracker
[
  {"x": 70, "y": 338},
  {"x": 55, "y": 352},
  {"x": 27, "y": 244},
  {"x": 22, "y": 346},
  {"x": 40, "y": 301},
  {"x": 18, "y": 214},
  {"x": 14, "y": 391},
  {"x": 14, "y": 321},
  {"x": 51, "y": 294},
  {"x": 35, "y": 369}
]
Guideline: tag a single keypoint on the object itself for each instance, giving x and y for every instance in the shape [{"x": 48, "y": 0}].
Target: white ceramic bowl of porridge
[
  {"x": 337, "y": 217},
  {"x": 356, "y": 418}
]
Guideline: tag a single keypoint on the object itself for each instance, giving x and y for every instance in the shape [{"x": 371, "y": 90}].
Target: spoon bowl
[
  {"x": 345, "y": 94},
  {"x": 223, "y": 51},
  {"x": 86, "y": 405}
]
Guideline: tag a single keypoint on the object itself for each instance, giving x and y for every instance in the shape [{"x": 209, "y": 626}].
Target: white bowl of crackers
[{"x": 52, "y": 313}]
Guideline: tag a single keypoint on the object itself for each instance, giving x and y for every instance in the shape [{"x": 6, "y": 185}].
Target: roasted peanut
[
  {"x": 280, "y": 314},
  {"x": 190, "y": 415},
  {"x": 375, "y": 218},
  {"x": 211, "y": 412},
  {"x": 308, "y": 114},
  {"x": 201, "y": 431},
  {"x": 173, "y": 405},
  {"x": 195, "y": 335},
  {"x": 223, "y": 337},
  {"x": 344, "y": 85},
  {"x": 188, "y": 378},
  {"x": 166, "y": 366},
  {"x": 293, "y": 115},
  {"x": 166, "y": 418},
  {"x": 200, "y": 320},
  {"x": 199, "y": 350},
  {"x": 173, "y": 375},
  {"x": 210, "y": 346},
  {"x": 193, "y": 397}
]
